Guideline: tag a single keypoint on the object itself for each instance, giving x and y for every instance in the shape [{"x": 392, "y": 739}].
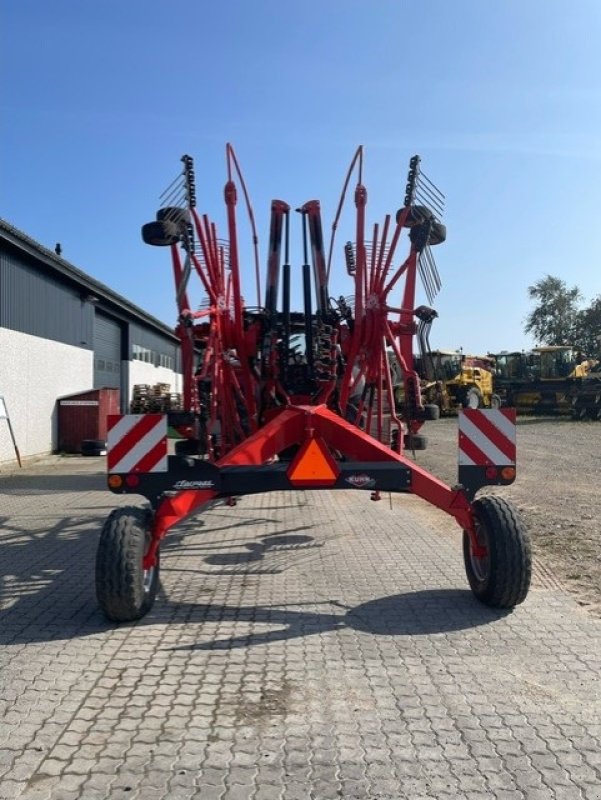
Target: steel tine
[
  {"x": 432, "y": 271},
  {"x": 174, "y": 181},
  {"x": 174, "y": 198},
  {"x": 434, "y": 187},
  {"x": 423, "y": 199},
  {"x": 433, "y": 268},
  {"x": 425, "y": 279},
  {"x": 423, "y": 191}
]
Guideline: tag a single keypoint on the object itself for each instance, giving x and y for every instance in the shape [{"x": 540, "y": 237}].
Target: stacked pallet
[{"x": 156, "y": 399}]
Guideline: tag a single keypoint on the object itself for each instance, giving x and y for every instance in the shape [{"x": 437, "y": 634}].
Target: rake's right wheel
[{"x": 499, "y": 572}]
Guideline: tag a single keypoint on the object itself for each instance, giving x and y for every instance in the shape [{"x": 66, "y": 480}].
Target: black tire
[
  {"x": 414, "y": 441},
  {"x": 438, "y": 234},
  {"x": 174, "y": 214},
  {"x": 124, "y": 589},
  {"x": 500, "y": 579},
  {"x": 495, "y": 401},
  {"x": 419, "y": 215},
  {"x": 161, "y": 234},
  {"x": 416, "y": 215},
  {"x": 93, "y": 447},
  {"x": 431, "y": 412}
]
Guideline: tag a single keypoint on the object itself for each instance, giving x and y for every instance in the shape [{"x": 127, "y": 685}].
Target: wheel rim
[
  {"x": 147, "y": 574},
  {"x": 147, "y": 579},
  {"x": 473, "y": 401},
  {"x": 480, "y": 564}
]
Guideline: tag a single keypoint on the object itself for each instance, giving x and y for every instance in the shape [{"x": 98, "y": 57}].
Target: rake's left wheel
[{"x": 124, "y": 589}]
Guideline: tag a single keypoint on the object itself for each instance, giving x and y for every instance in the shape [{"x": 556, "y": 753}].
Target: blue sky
[{"x": 501, "y": 99}]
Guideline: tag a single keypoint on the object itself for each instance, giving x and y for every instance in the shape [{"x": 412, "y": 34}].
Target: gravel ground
[{"x": 557, "y": 491}]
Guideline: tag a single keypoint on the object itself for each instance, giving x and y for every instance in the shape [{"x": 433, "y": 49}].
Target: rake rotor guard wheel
[
  {"x": 421, "y": 215},
  {"x": 500, "y": 575},
  {"x": 124, "y": 589},
  {"x": 179, "y": 216},
  {"x": 162, "y": 233},
  {"x": 416, "y": 216}
]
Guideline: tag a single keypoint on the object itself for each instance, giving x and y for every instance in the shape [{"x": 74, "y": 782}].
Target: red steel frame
[{"x": 252, "y": 411}]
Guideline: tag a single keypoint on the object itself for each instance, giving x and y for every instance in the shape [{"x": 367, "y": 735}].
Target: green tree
[
  {"x": 556, "y": 318},
  {"x": 589, "y": 328}
]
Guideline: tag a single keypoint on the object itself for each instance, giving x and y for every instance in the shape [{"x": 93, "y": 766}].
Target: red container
[{"x": 82, "y": 417}]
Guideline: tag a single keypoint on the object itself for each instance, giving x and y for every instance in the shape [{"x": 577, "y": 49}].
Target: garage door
[{"x": 107, "y": 352}]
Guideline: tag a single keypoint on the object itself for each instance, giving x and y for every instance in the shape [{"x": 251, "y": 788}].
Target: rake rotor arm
[
  {"x": 232, "y": 159},
  {"x": 357, "y": 335},
  {"x": 279, "y": 209},
  {"x": 180, "y": 278},
  {"x": 312, "y": 211},
  {"x": 357, "y": 160}
]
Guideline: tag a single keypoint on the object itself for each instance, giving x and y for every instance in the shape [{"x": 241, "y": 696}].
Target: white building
[{"x": 62, "y": 332}]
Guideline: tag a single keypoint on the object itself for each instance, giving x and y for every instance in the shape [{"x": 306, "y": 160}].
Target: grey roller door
[{"x": 107, "y": 352}]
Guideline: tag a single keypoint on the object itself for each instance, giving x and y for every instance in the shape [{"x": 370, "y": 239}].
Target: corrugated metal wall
[
  {"x": 153, "y": 341},
  {"x": 34, "y": 303},
  {"x": 108, "y": 348}
]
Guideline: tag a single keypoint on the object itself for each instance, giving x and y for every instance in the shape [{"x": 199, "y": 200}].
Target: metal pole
[
  {"x": 308, "y": 307},
  {"x": 286, "y": 297},
  {"x": 4, "y": 413}
]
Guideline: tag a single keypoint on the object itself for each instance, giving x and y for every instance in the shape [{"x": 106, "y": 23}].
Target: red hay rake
[{"x": 278, "y": 399}]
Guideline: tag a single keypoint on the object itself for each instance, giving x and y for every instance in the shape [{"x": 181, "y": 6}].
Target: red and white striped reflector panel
[
  {"x": 487, "y": 437},
  {"x": 137, "y": 443}
]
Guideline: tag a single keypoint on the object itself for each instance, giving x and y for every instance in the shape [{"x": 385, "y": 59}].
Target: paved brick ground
[{"x": 305, "y": 646}]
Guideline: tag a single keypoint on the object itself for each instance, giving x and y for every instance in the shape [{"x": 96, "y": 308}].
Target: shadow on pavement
[
  {"x": 47, "y": 579},
  {"x": 414, "y": 613},
  {"x": 47, "y": 573},
  {"x": 242, "y": 552},
  {"x": 47, "y": 589}
]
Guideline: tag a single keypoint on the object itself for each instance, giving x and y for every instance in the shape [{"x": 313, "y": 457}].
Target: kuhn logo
[
  {"x": 194, "y": 485},
  {"x": 361, "y": 481}
]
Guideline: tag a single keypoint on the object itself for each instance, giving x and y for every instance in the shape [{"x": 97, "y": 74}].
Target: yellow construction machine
[
  {"x": 452, "y": 380},
  {"x": 549, "y": 380}
]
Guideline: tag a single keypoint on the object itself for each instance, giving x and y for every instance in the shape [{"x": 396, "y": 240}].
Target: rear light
[
  {"x": 132, "y": 480},
  {"x": 491, "y": 473},
  {"x": 115, "y": 481},
  {"x": 508, "y": 473}
]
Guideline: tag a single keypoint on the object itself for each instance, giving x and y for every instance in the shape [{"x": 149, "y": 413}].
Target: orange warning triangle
[{"x": 313, "y": 465}]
